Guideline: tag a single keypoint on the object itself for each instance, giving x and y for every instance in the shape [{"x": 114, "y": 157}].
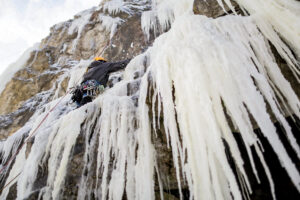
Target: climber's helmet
[
  {"x": 95, "y": 63},
  {"x": 99, "y": 59}
]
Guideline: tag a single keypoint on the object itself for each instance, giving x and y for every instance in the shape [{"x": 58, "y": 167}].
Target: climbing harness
[
  {"x": 86, "y": 92},
  {"x": 92, "y": 88}
]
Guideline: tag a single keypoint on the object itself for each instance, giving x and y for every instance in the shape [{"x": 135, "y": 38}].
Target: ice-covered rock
[{"x": 97, "y": 30}]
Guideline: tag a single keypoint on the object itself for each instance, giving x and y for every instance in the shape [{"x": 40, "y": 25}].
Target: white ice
[
  {"x": 115, "y": 7},
  {"x": 78, "y": 25},
  {"x": 110, "y": 23},
  {"x": 282, "y": 15},
  {"x": 208, "y": 61}
]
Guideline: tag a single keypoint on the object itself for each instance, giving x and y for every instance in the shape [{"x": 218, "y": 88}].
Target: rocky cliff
[
  {"x": 116, "y": 35},
  {"x": 224, "y": 129}
]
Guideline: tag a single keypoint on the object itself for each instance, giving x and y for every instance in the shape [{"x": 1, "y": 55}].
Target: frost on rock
[
  {"x": 110, "y": 23},
  {"x": 114, "y": 7},
  {"x": 78, "y": 25}
]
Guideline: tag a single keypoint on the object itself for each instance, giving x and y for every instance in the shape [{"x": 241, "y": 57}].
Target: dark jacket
[{"x": 99, "y": 70}]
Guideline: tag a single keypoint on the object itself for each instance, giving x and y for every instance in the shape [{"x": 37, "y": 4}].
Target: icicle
[
  {"x": 16, "y": 169},
  {"x": 85, "y": 185},
  {"x": 145, "y": 154},
  {"x": 110, "y": 23},
  {"x": 162, "y": 15},
  {"x": 62, "y": 144},
  {"x": 38, "y": 149},
  {"x": 199, "y": 74},
  {"x": 116, "y": 6},
  {"x": 149, "y": 23},
  {"x": 282, "y": 15}
]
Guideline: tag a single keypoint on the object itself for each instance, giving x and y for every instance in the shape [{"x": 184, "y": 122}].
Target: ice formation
[
  {"x": 283, "y": 16},
  {"x": 110, "y": 23},
  {"x": 193, "y": 71},
  {"x": 163, "y": 13},
  {"x": 114, "y": 7},
  {"x": 78, "y": 25},
  {"x": 207, "y": 62}
]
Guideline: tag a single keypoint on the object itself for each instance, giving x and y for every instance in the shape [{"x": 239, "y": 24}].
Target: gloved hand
[
  {"x": 77, "y": 95},
  {"x": 125, "y": 62}
]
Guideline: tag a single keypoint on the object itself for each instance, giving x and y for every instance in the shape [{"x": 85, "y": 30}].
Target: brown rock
[
  {"x": 210, "y": 8},
  {"x": 128, "y": 41}
]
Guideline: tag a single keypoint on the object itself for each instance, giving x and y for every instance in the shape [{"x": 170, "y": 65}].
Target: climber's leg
[{"x": 85, "y": 100}]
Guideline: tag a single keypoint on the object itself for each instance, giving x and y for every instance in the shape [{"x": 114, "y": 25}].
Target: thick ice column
[{"x": 206, "y": 61}]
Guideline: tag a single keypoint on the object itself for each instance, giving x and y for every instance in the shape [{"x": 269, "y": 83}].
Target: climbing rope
[
  {"x": 10, "y": 181},
  {"x": 107, "y": 44},
  {"x": 34, "y": 131},
  {"x": 30, "y": 136},
  {"x": 26, "y": 141}
]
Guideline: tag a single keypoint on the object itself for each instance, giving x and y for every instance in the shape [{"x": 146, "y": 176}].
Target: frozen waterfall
[{"x": 204, "y": 77}]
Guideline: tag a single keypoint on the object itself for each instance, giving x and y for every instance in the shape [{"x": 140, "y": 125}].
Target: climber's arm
[{"x": 118, "y": 65}]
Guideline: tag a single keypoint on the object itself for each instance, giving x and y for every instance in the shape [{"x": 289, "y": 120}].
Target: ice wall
[
  {"x": 276, "y": 19},
  {"x": 281, "y": 15},
  {"x": 206, "y": 63},
  {"x": 115, "y": 7}
]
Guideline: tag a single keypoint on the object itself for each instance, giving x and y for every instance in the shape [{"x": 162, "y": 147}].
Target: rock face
[
  {"x": 115, "y": 35},
  {"x": 211, "y": 8}
]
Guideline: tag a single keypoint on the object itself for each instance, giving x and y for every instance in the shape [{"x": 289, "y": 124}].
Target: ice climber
[{"x": 95, "y": 79}]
